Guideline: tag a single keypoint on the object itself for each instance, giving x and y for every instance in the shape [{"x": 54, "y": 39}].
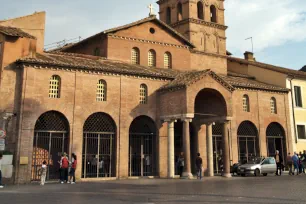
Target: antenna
[{"x": 251, "y": 38}]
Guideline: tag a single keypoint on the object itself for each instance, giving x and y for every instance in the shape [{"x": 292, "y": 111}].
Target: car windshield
[{"x": 254, "y": 161}]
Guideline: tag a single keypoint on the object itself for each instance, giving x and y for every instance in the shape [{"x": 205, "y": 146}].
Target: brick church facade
[{"x": 130, "y": 99}]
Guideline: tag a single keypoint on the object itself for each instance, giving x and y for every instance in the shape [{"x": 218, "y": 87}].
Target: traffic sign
[{"x": 2, "y": 134}]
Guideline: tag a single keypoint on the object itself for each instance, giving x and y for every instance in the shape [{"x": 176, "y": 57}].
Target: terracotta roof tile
[
  {"x": 283, "y": 70},
  {"x": 15, "y": 32},
  {"x": 93, "y": 63}
]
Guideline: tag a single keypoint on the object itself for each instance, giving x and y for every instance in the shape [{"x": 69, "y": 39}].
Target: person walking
[
  {"x": 64, "y": 164},
  {"x": 295, "y": 160},
  {"x": 279, "y": 161},
  {"x": 1, "y": 186},
  {"x": 181, "y": 164},
  {"x": 199, "y": 165},
  {"x": 43, "y": 173},
  {"x": 73, "y": 168},
  {"x": 289, "y": 163}
]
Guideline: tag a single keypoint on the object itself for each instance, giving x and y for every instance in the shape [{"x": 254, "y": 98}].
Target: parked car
[{"x": 258, "y": 166}]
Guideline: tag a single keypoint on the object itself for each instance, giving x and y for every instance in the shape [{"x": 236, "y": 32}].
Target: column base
[
  {"x": 187, "y": 175},
  {"x": 227, "y": 175}
]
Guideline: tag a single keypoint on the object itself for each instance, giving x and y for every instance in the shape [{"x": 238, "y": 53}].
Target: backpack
[{"x": 65, "y": 163}]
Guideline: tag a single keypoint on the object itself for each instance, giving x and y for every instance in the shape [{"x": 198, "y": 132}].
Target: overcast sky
[{"x": 278, "y": 27}]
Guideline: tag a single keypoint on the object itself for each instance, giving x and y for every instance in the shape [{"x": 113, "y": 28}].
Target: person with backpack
[
  {"x": 72, "y": 169},
  {"x": 64, "y": 165}
]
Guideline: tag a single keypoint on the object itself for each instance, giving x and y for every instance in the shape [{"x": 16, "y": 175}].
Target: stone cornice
[
  {"x": 201, "y": 22},
  {"x": 148, "y": 41},
  {"x": 207, "y": 53}
]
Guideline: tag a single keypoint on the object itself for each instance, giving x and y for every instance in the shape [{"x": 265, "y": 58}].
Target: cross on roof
[{"x": 151, "y": 10}]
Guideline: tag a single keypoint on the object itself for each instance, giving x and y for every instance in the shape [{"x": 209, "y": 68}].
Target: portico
[{"x": 204, "y": 100}]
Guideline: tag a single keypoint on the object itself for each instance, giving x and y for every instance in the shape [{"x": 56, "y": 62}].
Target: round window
[{"x": 152, "y": 30}]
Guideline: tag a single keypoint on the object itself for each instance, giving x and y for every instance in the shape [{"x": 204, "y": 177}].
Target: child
[
  {"x": 1, "y": 186},
  {"x": 43, "y": 173}
]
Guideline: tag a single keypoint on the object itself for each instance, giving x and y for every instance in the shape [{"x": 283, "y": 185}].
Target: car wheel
[
  {"x": 265, "y": 174},
  {"x": 257, "y": 172},
  {"x": 242, "y": 175}
]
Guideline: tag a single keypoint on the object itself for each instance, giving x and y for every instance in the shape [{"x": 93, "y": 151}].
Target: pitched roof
[
  {"x": 177, "y": 79},
  {"x": 289, "y": 72},
  {"x": 144, "y": 20},
  {"x": 15, "y": 32},
  {"x": 245, "y": 81},
  {"x": 96, "y": 64},
  {"x": 186, "y": 79}
]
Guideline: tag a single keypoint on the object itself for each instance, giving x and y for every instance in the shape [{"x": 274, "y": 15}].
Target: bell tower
[{"x": 201, "y": 21}]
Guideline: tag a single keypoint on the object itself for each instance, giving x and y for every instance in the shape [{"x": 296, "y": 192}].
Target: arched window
[
  {"x": 167, "y": 60},
  {"x": 152, "y": 58},
  {"x": 97, "y": 52},
  {"x": 246, "y": 103},
  {"x": 200, "y": 10},
  {"x": 143, "y": 98},
  {"x": 135, "y": 58},
  {"x": 54, "y": 87},
  {"x": 101, "y": 90},
  {"x": 273, "y": 105},
  {"x": 179, "y": 11},
  {"x": 213, "y": 14},
  {"x": 168, "y": 15}
]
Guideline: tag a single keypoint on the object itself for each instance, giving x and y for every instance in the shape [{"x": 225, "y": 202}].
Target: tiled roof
[
  {"x": 186, "y": 79},
  {"x": 151, "y": 18},
  {"x": 242, "y": 81},
  {"x": 177, "y": 79},
  {"x": 93, "y": 63},
  {"x": 283, "y": 70},
  {"x": 15, "y": 32}
]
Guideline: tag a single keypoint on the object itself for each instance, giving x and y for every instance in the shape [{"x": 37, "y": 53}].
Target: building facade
[{"x": 129, "y": 100}]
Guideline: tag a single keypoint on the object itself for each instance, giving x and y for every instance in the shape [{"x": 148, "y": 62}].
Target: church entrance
[
  {"x": 51, "y": 139},
  {"x": 142, "y": 147},
  {"x": 276, "y": 140},
  {"x": 99, "y": 147}
]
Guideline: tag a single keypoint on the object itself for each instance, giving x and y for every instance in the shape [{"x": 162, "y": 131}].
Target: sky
[{"x": 278, "y": 27}]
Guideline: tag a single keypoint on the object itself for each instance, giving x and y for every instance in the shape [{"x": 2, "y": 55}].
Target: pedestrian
[
  {"x": 289, "y": 163},
  {"x": 301, "y": 166},
  {"x": 304, "y": 160},
  {"x": 73, "y": 168},
  {"x": 1, "y": 186},
  {"x": 64, "y": 164},
  {"x": 101, "y": 168},
  {"x": 295, "y": 160},
  {"x": 279, "y": 161},
  {"x": 181, "y": 164},
  {"x": 43, "y": 173},
  {"x": 199, "y": 165}
]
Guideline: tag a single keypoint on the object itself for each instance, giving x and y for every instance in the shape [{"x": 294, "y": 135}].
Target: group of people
[
  {"x": 298, "y": 162},
  {"x": 180, "y": 164},
  {"x": 67, "y": 169}
]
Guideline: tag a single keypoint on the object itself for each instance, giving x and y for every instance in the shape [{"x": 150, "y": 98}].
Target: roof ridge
[{"x": 38, "y": 12}]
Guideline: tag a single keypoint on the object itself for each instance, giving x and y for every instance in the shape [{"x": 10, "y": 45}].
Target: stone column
[
  {"x": 226, "y": 153},
  {"x": 171, "y": 149},
  {"x": 186, "y": 147},
  {"x": 210, "y": 150}
]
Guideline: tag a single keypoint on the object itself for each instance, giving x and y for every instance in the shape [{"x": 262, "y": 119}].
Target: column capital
[
  {"x": 186, "y": 120},
  {"x": 169, "y": 120}
]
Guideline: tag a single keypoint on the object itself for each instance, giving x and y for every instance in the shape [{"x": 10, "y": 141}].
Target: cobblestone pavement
[{"x": 271, "y": 189}]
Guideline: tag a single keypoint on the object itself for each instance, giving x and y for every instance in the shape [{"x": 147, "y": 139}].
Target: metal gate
[
  {"x": 142, "y": 157},
  {"x": 247, "y": 141},
  {"x": 50, "y": 141},
  {"x": 275, "y": 140},
  {"x": 217, "y": 146},
  {"x": 99, "y": 147}
]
